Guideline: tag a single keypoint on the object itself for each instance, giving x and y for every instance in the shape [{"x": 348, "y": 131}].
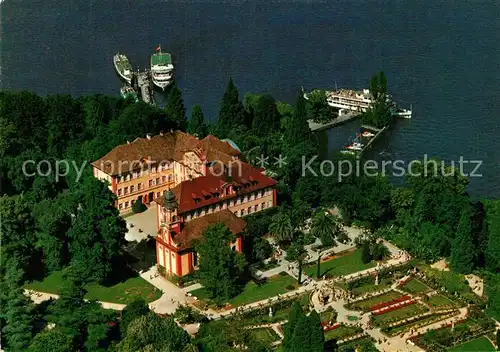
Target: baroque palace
[{"x": 193, "y": 184}]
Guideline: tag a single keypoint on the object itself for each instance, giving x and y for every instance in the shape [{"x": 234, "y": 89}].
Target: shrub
[
  {"x": 187, "y": 315},
  {"x": 138, "y": 207},
  {"x": 289, "y": 287}
]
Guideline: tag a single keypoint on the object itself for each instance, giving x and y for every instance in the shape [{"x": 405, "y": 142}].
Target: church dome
[{"x": 170, "y": 201}]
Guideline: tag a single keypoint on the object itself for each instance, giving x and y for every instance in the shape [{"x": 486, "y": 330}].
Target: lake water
[{"x": 442, "y": 57}]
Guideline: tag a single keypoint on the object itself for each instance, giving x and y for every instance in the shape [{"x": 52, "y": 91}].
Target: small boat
[
  {"x": 405, "y": 113},
  {"x": 128, "y": 92},
  {"x": 367, "y": 134},
  {"x": 399, "y": 112},
  {"x": 123, "y": 67},
  {"x": 355, "y": 146}
]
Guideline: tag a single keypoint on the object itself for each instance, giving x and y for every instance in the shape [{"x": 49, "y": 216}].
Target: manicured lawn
[
  {"x": 425, "y": 320},
  {"x": 439, "y": 300},
  {"x": 278, "y": 314},
  {"x": 482, "y": 344},
  {"x": 415, "y": 286},
  {"x": 399, "y": 314},
  {"x": 341, "y": 332},
  {"x": 365, "y": 304},
  {"x": 252, "y": 292},
  {"x": 344, "y": 265},
  {"x": 266, "y": 335},
  {"x": 123, "y": 292},
  {"x": 382, "y": 285}
]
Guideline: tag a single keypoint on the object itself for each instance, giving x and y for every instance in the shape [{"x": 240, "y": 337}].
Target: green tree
[
  {"x": 231, "y": 113},
  {"x": 297, "y": 129},
  {"x": 196, "y": 125},
  {"x": 220, "y": 268},
  {"x": 378, "y": 114},
  {"x": 281, "y": 226},
  {"x": 138, "y": 206},
  {"x": 18, "y": 232},
  {"x": 327, "y": 228},
  {"x": 97, "y": 232},
  {"x": 497, "y": 337},
  {"x": 366, "y": 255},
  {"x": 316, "y": 334},
  {"x": 53, "y": 221},
  {"x": 175, "y": 108},
  {"x": 462, "y": 255},
  {"x": 85, "y": 322},
  {"x": 51, "y": 340},
  {"x": 318, "y": 109},
  {"x": 132, "y": 311},
  {"x": 493, "y": 247},
  {"x": 266, "y": 116},
  {"x": 18, "y": 313},
  {"x": 294, "y": 316},
  {"x": 307, "y": 335},
  {"x": 151, "y": 332}
]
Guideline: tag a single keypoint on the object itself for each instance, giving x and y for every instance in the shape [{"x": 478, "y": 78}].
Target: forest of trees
[{"x": 51, "y": 224}]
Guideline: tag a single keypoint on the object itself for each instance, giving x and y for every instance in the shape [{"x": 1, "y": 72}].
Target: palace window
[
  {"x": 262, "y": 205},
  {"x": 125, "y": 190},
  {"x": 164, "y": 179},
  {"x": 249, "y": 210},
  {"x": 150, "y": 183},
  {"x": 119, "y": 192},
  {"x": 139, "y": 186},
  {"x": 157, "y": 181},
  {"x": 120, "y": 206},
  {"x": 255, "y": 207},
  {"x": 126, "y": 204},
  {"x": 132, "y": 188}
]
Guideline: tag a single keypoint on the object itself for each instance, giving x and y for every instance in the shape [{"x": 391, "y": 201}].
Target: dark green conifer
[{"x": 462, "y": 254}]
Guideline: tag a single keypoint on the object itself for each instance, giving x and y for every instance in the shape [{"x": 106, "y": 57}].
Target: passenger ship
[
  {"x": 162, "y": 69},
  {"x": 359, "y": 101}
]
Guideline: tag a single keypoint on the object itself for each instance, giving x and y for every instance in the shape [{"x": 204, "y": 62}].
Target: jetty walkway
[
  {"x": 145, "y": 88},
  {"x": 337, "y": 121}
]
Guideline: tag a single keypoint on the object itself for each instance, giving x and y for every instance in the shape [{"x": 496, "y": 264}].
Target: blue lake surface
[{"x": 441, "y": 57}]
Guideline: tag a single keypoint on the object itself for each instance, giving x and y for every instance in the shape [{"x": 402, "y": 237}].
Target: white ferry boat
[
  {"x": 162, "y": 69},
  {"x": 359, "y": 101}
]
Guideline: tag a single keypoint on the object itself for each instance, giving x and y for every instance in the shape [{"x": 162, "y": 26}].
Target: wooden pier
[
  {"x": 377, "y": 131},
  {"x": 143, "y": 85},
  {"x": 335, "y": 122}
]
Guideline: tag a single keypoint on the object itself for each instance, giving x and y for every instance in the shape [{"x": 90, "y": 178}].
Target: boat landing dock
[
  {"x": 145, "y": 87},
  {"x": 335, "y": 122}
]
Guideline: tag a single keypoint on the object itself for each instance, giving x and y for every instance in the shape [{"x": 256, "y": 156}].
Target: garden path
[{"x": 39, "y": 297}]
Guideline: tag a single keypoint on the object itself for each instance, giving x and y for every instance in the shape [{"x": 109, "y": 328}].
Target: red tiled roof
[
  {"x": 194, "y": 229},
  {"x": 187, "y": 191},
  {"x": 161, "y": 148}
]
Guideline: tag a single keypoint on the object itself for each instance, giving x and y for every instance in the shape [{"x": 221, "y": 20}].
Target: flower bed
[
  {"x": 404, "y": 281},
  {"x": 389, "y": 303},
  {"x": 330, "y": 327},
  {"x": 392, "y": 308}
]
